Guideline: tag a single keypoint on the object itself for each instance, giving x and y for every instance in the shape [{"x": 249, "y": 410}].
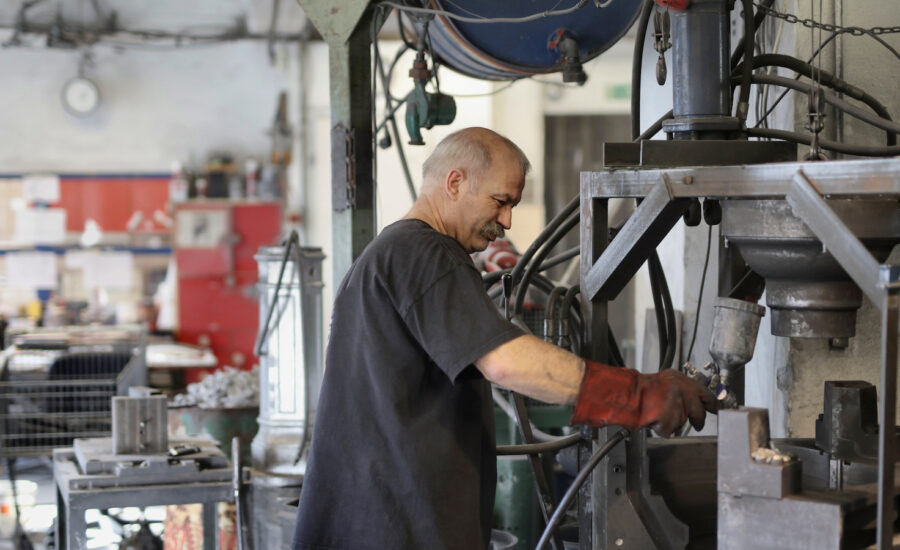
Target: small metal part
[{"x": 183, "y": 449}]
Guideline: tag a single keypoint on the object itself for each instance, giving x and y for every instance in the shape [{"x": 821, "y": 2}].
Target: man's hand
[{"x": 627, "y": 398}]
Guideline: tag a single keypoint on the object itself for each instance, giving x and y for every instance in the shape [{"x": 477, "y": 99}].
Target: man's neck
[{"x": 425, "y": 211}]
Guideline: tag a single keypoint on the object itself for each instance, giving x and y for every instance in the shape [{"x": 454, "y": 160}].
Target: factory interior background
[{"x": 149, "y": 150}]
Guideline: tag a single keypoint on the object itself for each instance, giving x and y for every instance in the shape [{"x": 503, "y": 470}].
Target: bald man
[{"x": 403, "y": 452}]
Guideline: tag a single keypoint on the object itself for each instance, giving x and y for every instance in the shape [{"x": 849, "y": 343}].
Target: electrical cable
[
  {"x": 846, "y": 148},
  {"x": 700, "y": 293},
  {"x": 537, "y": 448},
  {"x": 450, "y": 15},
  {"x": 576, "y": 486},
  {"x": 827, "y": 79}
]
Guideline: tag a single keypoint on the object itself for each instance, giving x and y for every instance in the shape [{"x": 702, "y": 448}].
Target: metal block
[
  {"x": 681, "y": 153},
  {"x": 139, "y": 424},
  {"x": 749, "y": 522},
  {"x": 848, "y": 427},
  {"x": 741, "y": 433},
  {"x": 621, "y": 154}
]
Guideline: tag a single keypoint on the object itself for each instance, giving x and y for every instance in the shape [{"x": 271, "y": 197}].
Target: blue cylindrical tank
[{"x": 504, "y": 51}]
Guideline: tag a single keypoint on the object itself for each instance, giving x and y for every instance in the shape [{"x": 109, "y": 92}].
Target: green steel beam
[{"x": 347, "y": 26}]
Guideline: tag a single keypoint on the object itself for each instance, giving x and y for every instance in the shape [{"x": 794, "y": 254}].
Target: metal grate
[{"x": 50, "y": 397}]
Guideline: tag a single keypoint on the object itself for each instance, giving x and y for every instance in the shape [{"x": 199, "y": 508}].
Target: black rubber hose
[
  {"x": 739, "y": 50},
  {"x": 579, "y": 480},
  {"x": 637, "y": 59},
  {"x": 852, "y": 110},
  {"x": 538, "y": 448},
  {"x": 550, "y": 313},
  {"x": 825, "y": 78},
  {"x": 553, "y": 261},
  {"x": 560, "y": 217},
  {"x": 846, "y": 148},
  {"x": 749, "y": 43},
  {"x": 662, "y": 334},
  {"x": 554, "y": 238},
  {"x": 665, "y": 314},
  {"x": 541, "y": 282},
  {"x": 655, "y": 127}
]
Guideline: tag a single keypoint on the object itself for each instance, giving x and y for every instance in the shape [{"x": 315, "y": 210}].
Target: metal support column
[
  {"x": 886, "y": 436},
  {"x": 594, "y": 240},
  {"x": 347, "y": 27}
]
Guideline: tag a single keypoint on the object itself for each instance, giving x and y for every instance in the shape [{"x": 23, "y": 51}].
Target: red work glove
[{"x": 627, "y": 398}]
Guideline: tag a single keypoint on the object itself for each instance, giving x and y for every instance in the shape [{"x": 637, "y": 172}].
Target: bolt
[
  {"x": 620, "y": 541},
  {"x": 688, "y": 180},
  {"x": 618, "y": 491},
  {"x": 617, "y": 469}
]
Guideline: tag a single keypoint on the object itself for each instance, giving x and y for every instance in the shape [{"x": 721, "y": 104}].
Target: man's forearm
[{"x": 534, "y": 368}]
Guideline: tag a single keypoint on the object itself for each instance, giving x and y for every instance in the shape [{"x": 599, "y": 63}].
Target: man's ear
[{"x": 453, "y": 183}]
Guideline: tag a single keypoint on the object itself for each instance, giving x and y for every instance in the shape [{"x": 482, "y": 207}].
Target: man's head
[{"x": 475, "y": 177}]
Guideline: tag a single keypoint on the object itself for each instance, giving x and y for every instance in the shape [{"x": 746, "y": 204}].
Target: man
[{"x": 403, "y": 452}]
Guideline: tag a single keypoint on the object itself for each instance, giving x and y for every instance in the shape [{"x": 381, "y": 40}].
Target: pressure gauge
[{"x": 80, "y": 96}]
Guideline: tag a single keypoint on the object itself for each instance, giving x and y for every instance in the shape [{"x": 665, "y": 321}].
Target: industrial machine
[{"x": 816, "y": 236}]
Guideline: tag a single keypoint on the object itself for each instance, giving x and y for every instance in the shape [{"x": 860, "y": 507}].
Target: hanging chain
[{"x": 828, "y": 27}]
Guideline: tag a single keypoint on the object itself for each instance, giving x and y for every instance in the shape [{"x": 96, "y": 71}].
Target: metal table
[{"x": 90, "y": 476}]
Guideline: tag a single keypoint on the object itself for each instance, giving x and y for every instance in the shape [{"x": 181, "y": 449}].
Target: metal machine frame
[{"x": 607, "y": 266}]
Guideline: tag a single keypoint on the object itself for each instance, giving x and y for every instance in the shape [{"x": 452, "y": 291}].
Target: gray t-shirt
[{"x": 403, "y": 451}]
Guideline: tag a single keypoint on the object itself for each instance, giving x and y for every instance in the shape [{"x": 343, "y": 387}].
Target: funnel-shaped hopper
[{"x": 735, "y": 326}]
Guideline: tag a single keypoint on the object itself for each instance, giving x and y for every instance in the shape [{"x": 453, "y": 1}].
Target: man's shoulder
[{"x": 409, "y": 240}]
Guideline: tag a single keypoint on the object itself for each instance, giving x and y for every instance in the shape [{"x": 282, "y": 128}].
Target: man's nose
[{"x": 505, "y": 218}]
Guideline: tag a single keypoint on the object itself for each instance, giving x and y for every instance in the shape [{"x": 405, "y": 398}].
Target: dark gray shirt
[{"x": 403, "y": 451}]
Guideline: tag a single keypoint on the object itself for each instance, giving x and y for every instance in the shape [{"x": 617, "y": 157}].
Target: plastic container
[{"x": 25, "y": 492}]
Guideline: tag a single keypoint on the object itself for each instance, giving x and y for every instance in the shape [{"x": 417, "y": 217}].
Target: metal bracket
[
  {"x": 640, "y": 235},
  {"x": 853, "y": 256},
  {"x": 343, "y": 168}
]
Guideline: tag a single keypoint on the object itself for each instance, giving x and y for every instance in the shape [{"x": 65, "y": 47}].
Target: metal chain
[{"x": 812, "y": 24}]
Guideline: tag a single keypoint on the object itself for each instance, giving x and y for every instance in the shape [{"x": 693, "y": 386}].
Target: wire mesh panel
[{"x": 50, "y": 397}]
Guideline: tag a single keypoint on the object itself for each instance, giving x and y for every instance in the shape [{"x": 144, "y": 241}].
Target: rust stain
[{"x": 335, "y": 10}]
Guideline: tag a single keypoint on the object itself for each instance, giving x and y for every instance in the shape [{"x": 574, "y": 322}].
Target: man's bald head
[{"x": 471, "y": 150}]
